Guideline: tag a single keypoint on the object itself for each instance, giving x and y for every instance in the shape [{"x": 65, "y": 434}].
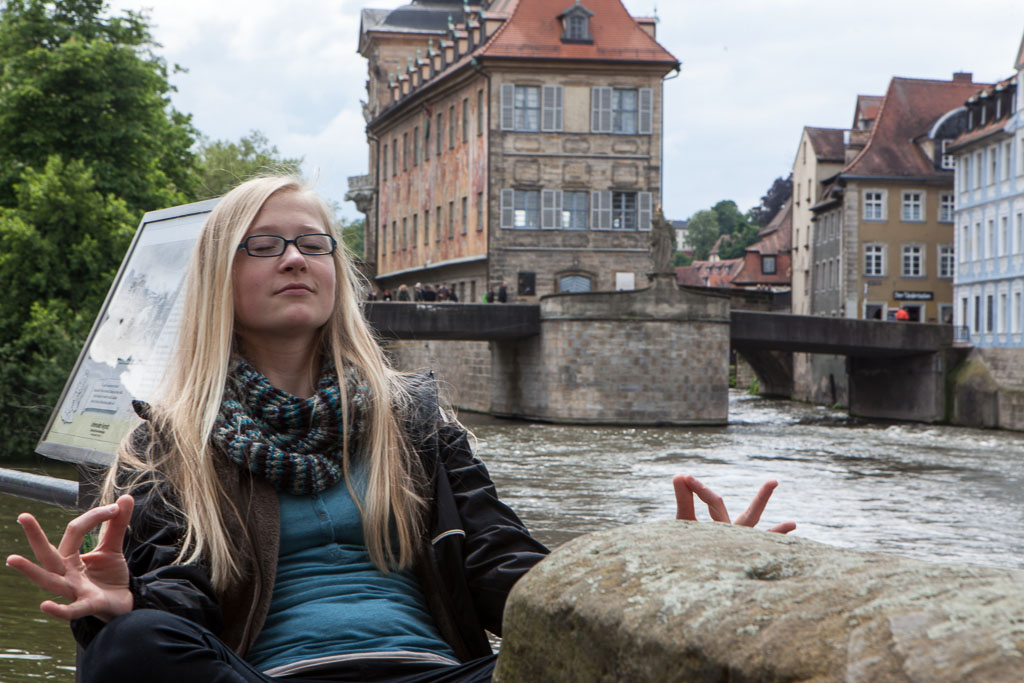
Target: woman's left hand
[{"x": 687, "y": 485}]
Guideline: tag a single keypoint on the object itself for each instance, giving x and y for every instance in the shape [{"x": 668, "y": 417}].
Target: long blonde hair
[{"x": 183, "y": 419}]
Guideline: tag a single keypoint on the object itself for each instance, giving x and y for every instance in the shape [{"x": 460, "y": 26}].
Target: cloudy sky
[{"x": 754, "y": 73}]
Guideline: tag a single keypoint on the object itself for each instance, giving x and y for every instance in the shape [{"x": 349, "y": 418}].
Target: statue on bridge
[{"x": 662, "y": 243}]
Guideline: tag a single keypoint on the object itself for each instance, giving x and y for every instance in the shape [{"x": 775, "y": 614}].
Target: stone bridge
[{"x": 651, "y": 356}]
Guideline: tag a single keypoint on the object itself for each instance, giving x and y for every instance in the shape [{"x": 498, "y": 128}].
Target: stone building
[
  {"x": 883, "y": 226},
  {"x": 512, "y": 141},
  {"x": 819, "y": 156},
  {"x": 989, "y": 282}
]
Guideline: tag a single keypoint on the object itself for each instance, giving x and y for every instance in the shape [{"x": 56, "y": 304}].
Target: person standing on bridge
[{"x": 291, "y": 506}]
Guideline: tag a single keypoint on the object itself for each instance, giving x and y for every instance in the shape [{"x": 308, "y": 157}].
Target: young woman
[{"x": 291, "y": 507}]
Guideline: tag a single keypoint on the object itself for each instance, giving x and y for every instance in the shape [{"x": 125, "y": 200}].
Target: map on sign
[{"x": 131, "y": 341}]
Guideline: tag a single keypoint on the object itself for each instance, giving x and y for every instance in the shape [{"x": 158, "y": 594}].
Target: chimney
[{"x": 963, "y": 77}]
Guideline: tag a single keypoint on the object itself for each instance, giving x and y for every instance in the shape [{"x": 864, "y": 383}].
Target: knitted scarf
[{"x": 294, "y": 443}]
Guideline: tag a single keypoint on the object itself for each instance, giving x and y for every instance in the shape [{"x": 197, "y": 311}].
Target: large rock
[{"x": 685, "y": 601}]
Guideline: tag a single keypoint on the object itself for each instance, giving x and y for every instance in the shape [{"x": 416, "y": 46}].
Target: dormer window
[{"x": 576, "y": 24}]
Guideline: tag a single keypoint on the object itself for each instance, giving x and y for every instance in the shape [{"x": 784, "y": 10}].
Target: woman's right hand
[{"x": 96, "y": 583}]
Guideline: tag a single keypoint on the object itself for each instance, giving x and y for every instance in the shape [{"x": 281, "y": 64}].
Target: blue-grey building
[{"x": 988, "y": 286}]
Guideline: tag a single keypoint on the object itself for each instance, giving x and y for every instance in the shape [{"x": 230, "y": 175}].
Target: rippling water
[{"x": 934, "y": 493}]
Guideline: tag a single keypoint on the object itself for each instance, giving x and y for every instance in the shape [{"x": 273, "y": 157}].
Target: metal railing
[{"x": 51, "y": 490}]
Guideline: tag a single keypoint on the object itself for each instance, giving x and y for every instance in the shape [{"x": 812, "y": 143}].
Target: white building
[{"x": 988, "y": 287}]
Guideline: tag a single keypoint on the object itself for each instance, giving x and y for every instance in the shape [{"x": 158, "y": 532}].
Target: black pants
[{"x": 155, "y": 646}]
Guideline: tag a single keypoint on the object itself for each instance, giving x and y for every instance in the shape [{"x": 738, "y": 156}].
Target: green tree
[
  {"x": 772, "y": 201},
  {"x": 353, "y": 234},
  {"x": 702, "y": 233},
  {"x": 680, "y": 258},
  {"x": 89, "y": 87},
  {"x": 225, "y": 164},
  {"x": 60, "y": 246},
  {"x": 88, "y": 141}
]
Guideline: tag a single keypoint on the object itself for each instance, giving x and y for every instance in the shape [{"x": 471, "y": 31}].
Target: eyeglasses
[{"x": 268, "y": 246}]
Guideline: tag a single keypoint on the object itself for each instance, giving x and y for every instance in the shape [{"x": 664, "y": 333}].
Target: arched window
[{"x": 574, "y": 283}]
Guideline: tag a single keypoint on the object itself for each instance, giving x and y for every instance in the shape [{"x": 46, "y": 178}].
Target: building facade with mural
[
  {"x": 514, "y": 141},
  {"x": 989, "y": 283}
]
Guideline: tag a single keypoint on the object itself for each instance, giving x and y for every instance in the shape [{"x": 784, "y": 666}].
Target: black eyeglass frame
[{"x": 285, "y": 242}]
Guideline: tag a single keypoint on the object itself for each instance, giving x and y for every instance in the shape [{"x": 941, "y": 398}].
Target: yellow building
[{"x": 883, "y": 226}]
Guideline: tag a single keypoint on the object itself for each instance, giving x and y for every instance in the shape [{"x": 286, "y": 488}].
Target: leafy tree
[
  {"x": 736, "y": 244},
  {"x": 730, "y": 219},
  {"x": 702, "y": 233},
  {"x": 773, "y": 201},
  {"x": 86, "y": 86},
  {"x": 680, "y": 258},
  {"x": 88, "y": 141},
  {"x": 353, "y": 234},
  {"x": 225, "y": 164},
  {"x": 60, "y": 246}
]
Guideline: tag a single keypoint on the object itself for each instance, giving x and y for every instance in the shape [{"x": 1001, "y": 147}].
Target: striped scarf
[{"x": 294, "y": 443}]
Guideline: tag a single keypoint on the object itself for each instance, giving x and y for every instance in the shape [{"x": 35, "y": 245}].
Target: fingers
[
  {"x": 113, "y": 536},
  {"x": 752, "y": 515},
  {"x": 44, "y": 551},
  {"x": 83, "y": 524},
  {"x": 684, "y": 499},
  {"x": 783, "y": 528},
  {"x": 48, "y": 581},
  {"x": 716, "y": 506}
]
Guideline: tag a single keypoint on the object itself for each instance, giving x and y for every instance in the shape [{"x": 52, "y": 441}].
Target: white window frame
[
  {"x": 947, "y": 160},
  {"x": 514, "y": 116},
  {"x": 912, "y": 203},
  {"x": 875, "y": 267},
  {"x": 569, "y": 210},
  {"x": 947, "y": 207},
  {"x": 916, "y": 252},
  {"x": 946, "y": 261},
  {"x": 877, "y": 199},
  {"x": 602, "y": 111}
]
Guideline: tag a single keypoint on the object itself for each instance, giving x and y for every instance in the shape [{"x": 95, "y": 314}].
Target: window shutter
[
  {"x": 600, "y": 210},
  {"x": 645, "y": 210},
  {"x": 606, "y": 114},
  {"x": 507, "y": 206},
  {"x": 508, "y": 100},
  {"x": 550, "y": 208},
  {"x": 600, "y": 110},
  {"x": 551, "y": 108},
  {"x": 646, "y": 110}
]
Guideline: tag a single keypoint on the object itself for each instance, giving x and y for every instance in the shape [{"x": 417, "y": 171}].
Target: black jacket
[{"x": 474, "y": 550}]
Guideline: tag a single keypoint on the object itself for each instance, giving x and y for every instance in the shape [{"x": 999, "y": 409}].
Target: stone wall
[
  {"x": 463, "y": 369},
  {"x": 820, "y": 379},
  {"x": 988, "y": 389},
  {"x": 653, "y": 356},
  {"x": 688, "y": 601}
]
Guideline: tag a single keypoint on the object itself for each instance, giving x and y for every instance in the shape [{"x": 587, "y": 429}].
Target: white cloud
[{"x": 754, "y": 74}]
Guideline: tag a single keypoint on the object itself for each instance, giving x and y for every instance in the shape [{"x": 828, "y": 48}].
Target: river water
[{"x": 942, "y": 494}]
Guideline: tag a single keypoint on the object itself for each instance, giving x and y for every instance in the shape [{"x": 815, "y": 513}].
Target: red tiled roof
[
  {"x": 979, "y": 133},
  {"x": 534, "y": 31},
  {"x": 776, "y": 237},
  {"x": 709, "y": 273},
  {"x": 908, "y": 111},
  {"x": 827, "y": 143},
  {"x": 867, "y": 107}
]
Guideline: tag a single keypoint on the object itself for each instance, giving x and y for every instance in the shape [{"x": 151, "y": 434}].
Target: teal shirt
[{"x": 329, "y": 598}]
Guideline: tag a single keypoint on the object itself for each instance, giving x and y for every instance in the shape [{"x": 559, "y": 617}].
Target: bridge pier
[
  {"x": 912, "y": 388},
  {"x": 657, "y": 356},
  {"x": 774, "y": 370}
]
